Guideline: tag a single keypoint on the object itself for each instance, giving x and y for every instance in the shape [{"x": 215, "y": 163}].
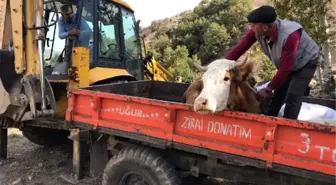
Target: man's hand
[
  {"x": 265, "y": 92},
  {"x": 73, "y": 32}
]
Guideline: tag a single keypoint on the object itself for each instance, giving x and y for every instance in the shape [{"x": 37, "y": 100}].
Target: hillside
[
  {"x": 332, "y": 31},
  {"x": 162, "y": 25},
  {"x": 213, "y": 27},
  {"x": 202, "y": 34}
]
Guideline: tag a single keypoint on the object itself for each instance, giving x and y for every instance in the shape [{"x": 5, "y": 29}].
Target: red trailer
[{"x": 148, "y": 132}]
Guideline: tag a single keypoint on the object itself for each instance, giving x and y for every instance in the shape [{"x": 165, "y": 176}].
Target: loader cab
[{"x": 109, "y": 31}]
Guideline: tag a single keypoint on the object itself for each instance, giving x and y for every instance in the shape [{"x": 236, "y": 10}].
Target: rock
[
  {"x": 2, "y": 175},
  {"x": 313, "y": 84},
  {"x": 13, "y": 164},
  {"x": 69, "y": 178},
  {"x": 18, "y": 181}
]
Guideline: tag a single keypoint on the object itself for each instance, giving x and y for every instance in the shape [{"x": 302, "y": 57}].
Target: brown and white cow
[{"x": 224, "y": 85}]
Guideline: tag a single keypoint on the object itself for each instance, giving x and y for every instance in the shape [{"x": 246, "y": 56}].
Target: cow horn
[
  {"x": 239, "y": 64},
  {"x": 198, "y": 67}
]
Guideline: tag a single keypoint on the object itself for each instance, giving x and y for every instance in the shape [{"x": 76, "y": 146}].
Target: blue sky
[{"x": 163, "y": 8}]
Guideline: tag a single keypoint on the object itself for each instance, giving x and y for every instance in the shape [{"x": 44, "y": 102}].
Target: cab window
[
  {"x": 132, "y": 45},
  {"x": 109, "y": 35}
]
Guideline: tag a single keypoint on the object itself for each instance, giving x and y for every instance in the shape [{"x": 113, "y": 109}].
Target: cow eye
[{"x": 227, "y": 76}]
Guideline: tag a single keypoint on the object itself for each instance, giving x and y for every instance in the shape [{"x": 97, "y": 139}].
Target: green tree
[
  {"x": 158, "y": 45},
  {"x": 204, "y": 34},
  {"x": 198, "y": 30},
  {"x": 313, "y": 16},
  {"x": 177, "y": 59},
  {"x": 216, "y": 39},
  {"x": 310, "y": 14},
  {"x": 265, "y": 69}
]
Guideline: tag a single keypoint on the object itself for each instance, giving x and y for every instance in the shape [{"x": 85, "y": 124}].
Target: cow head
[{"x": 222, "y": 79}]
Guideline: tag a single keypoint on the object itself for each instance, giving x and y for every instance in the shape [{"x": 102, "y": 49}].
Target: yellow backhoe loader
[{"x": 33, "y": 91}]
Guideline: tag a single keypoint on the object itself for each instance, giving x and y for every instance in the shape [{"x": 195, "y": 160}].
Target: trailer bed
[{"x": 151, "y": 111}]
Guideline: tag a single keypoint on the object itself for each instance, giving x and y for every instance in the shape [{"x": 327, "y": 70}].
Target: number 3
[{"x": 306, "y": 142}]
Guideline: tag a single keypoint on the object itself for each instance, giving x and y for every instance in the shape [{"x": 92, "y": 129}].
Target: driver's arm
[{"x": 62, "y": 34}]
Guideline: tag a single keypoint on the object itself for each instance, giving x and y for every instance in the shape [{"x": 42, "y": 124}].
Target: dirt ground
[{"x": 31, "y": 164}]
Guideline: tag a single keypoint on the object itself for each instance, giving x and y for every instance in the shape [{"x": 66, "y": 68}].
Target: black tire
[
  {"x": 45, "y": 136},
  {"x": 141, "y": 161}
]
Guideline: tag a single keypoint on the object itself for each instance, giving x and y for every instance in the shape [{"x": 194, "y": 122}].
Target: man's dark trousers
[{"x": 292, "y": 92}]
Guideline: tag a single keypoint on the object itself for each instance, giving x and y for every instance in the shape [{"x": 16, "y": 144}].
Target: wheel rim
[{"x": 134, "y": 178}]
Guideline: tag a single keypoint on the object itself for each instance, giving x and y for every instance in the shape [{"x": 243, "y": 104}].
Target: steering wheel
[{"x": 109, "y": 47}]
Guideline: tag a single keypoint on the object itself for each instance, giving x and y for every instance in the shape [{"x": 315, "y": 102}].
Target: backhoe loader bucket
[
  {"x": 10, "y": 85},
  {"x": 4, "y": 98},
  {"x": 20, "y": 95}
]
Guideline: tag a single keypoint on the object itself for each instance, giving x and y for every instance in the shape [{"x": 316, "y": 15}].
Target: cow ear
[
  {"x": 198, "y": 84},
  {"x": 243, "y": 72},
  {"x": 184, "y": 97},
  {"x": 193, "y": 91}
]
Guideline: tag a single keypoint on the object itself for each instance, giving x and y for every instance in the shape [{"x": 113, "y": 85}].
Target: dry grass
[{"x": 257, "y": 3}]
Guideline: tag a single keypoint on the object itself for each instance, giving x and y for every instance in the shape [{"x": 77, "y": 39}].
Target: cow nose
[
  {"x": 201, "y": 105},
  {"x": 202, "y": 101}
]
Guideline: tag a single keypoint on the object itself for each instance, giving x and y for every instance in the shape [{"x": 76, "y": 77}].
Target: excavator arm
[
  {"x": 155, "y": 71},
  {"x": 25, "y": 94}
]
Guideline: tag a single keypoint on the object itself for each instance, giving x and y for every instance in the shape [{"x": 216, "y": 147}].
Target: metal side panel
[
  {"x": 3, "y": 7},
  {"x": 4, "y": 99},
  {"x": 17, "y": 31},
  {"x": 8, "y": 80}
]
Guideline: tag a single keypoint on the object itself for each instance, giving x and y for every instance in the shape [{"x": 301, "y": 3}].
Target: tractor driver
[
  {"x": 67, "y": 26},
  {"x": 67, "y": 29},
  {"x": 293, "y": 52}
]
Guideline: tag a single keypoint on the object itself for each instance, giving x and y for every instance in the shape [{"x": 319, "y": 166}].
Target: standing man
[
  {"x": 67, "y": 26},
  {"x": 293, "y": 52}
]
